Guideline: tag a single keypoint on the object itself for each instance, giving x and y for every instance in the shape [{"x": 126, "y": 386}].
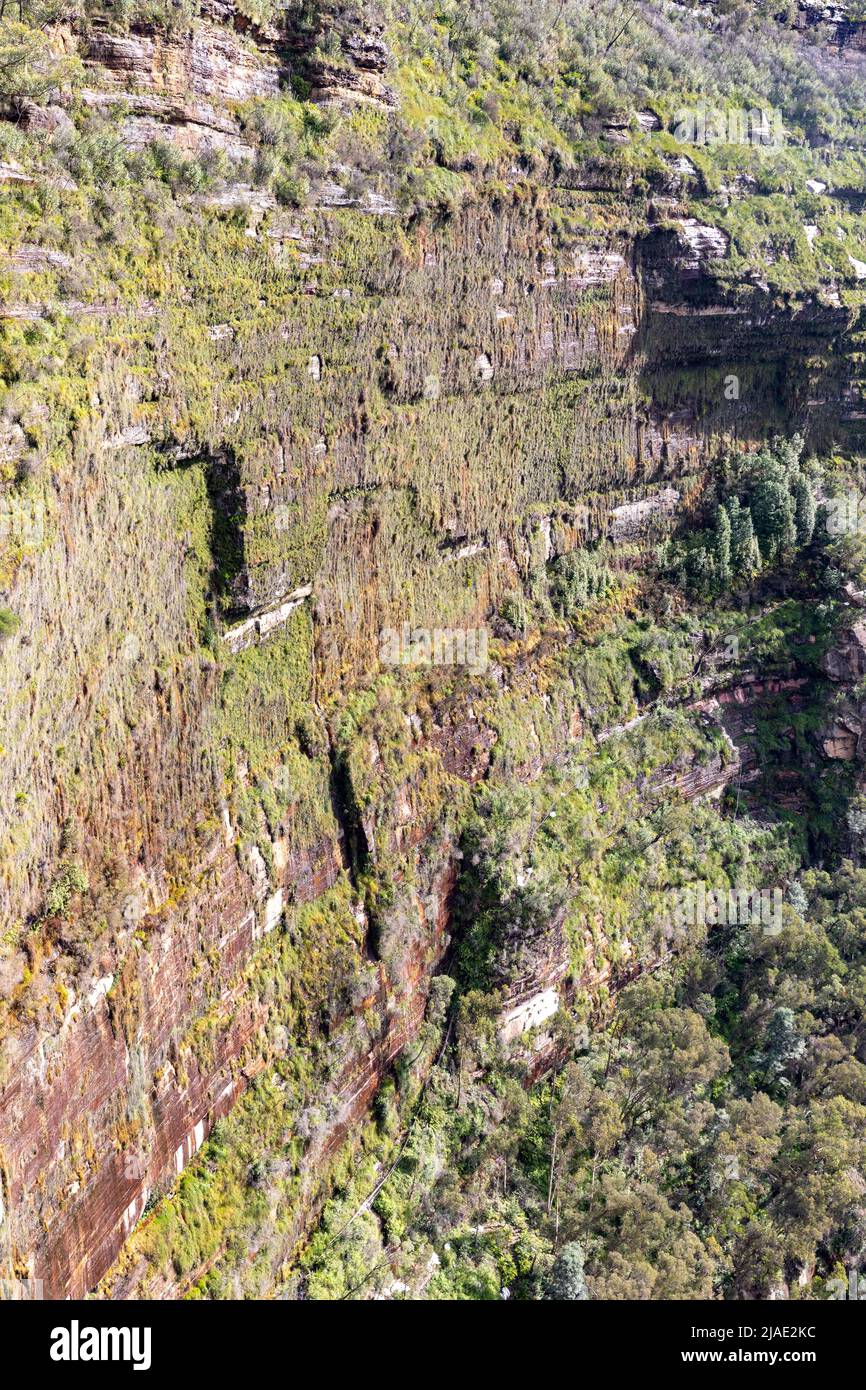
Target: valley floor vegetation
[{"x": 694, "y": 1125}]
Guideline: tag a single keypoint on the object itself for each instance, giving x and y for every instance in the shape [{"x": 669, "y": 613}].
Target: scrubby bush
[
  {"x": 9, "y": 623},
  {"x": 32, "y": 66},
  {"x": 70, "y": 880},
  {"x": 578, "y": 579}
]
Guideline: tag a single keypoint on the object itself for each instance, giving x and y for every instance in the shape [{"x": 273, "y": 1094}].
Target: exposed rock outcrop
[{"x": 381, "y": 423}]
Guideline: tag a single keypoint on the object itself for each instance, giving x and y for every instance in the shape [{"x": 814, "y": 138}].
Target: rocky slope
[{"x": 243, "y": 434}]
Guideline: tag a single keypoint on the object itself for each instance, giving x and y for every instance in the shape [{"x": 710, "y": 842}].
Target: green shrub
[
  {"x": 70, "y": 880},
  {"x": 578, "y": 579},
  {"x": 9, "y": 623}
]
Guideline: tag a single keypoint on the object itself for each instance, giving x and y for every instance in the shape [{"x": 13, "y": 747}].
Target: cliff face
[
  {"x": 742, "y": 352},
  {"x": 286, "y": 429}
]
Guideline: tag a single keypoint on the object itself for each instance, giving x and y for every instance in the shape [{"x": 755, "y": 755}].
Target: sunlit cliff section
[{"x": 319, "y": 323}]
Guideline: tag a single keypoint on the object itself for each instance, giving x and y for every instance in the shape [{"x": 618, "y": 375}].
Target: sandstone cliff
[{"x": 246, "y": 428}]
